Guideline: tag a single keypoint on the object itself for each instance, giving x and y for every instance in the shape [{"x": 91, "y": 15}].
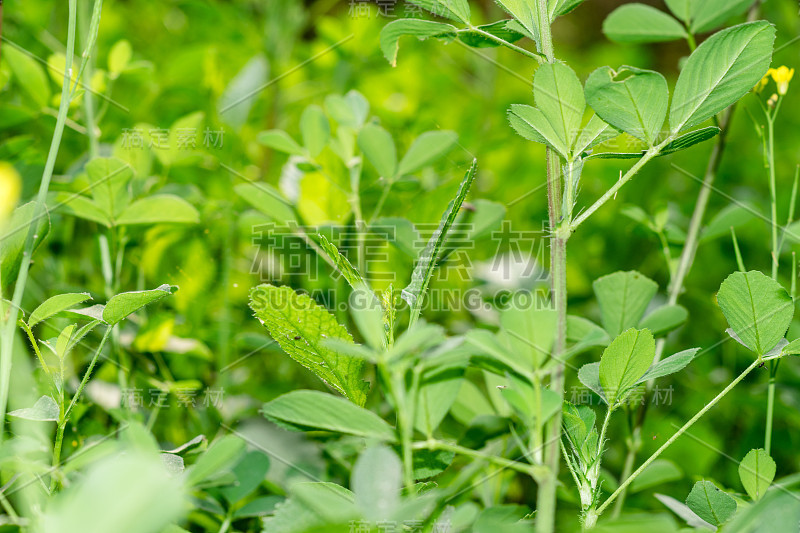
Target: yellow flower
[
  {"x": 782, "y": 76},
  {"x": 10, "y": 188}
]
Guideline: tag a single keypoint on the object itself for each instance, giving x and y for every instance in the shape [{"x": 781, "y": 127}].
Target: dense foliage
[{"x": 291, "y": 266}]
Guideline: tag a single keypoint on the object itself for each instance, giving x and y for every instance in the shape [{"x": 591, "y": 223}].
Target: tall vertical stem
[
  {"x": 546, "y": 498},
  {"x": 8, "y": 327},
  {"x": 773, "y": 198}
]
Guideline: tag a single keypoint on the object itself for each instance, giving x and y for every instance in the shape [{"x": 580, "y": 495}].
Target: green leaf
[
  {"x": 312, "y": 507},
  {"x": 595, "y": 132},
  {"x": 281, "y": 141},
  {"x": 722, "y": 70},
  {"x": 499, "y": 29},
  {"x": 249, "y": 472},
  {"x": 657, "y": 473},
  {"x": 299, "y": 325},
  {"x": 624, "y": 362},
  {"x": 638, "y": 23},
  {"x": 426, "y": 149},
  {"x": 315, "y": 128},
  {"x": 267, "y": 200},
  {"x": 757, "y": 470},
  {"x": 589, "y": 375},
  {"x": 438, "y": 390},
  {"x": 421, "y": 29},
  {"x": 44, "y": 410},
  {"x": 558, "y": 93},
  {"x": 709, "y": 14},
  {"x": 731, "y": 216},
  {"x": 623, "y": 299},
  {"x": 54, "y": 305},
  {"x": 793, "y": 348},
  {"x": 109, "y": 179},
  {"x": 632, "y": 100},
  {"x": 29, "y": 74},
  {"x": 525, "y": 12},
  {"x": 758, "y": 309},
  {"x": 670, "y": 365},
  {"x": 313, "y": 410},
  {"x": 14, "y": 234},
  {"x": 343, "y": 265},
  {"x": 426, "y": 263},
  {"x": 220, "y": 456},
  {"x": 562, "y": 7},
  {"x": 378, "y": 147},
  {"x": 159, "y": 208},
  {"x": 457, "y": 10},
  {"x": 236, "y": 101},
  {"x": 376, "y": 481},
  {"x": 664, "y": 319},
  {"x": 681, "y": 8},
  {"x": 688, "y": 140},
  {"x": 119, "y": 307},
  {"x": 129, "y": 492},
  {"x": 79, "y": 206},
  {"x": 350, "y": 110},
  {"x": 119, "y": 57},
  {"x": 529, "y": 334},
  {"x": 710, "y": 503}
]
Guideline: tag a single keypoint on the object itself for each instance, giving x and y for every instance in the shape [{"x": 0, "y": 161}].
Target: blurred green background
[{"x": 185, "y": 54}]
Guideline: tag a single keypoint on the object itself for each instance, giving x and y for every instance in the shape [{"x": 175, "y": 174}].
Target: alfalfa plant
[{"x": 634, "y": 101}]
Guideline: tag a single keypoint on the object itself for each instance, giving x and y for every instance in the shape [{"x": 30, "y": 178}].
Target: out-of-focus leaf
[
  {"x": 44, "y": 410},
  {"x": 313, "y": 410},
  {"x": 425, "y": 150},
  {"x": 237, "y": 100},
  {"x": 159, "y": 208},
  {"x": 12, "y": 242},
  {"x": 639, "y": 23},
  {"x": 623, "y": 299},
  {"x": 220, "y": 456},
  {"x": 377, "y": 479}
]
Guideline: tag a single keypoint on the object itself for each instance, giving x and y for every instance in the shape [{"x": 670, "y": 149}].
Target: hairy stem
[
  {"x": 681, "y": 431},
  {"x": 433, "y": 444},
  {"x": 611, "y": 193},
  {"x": 63, "y": 418},
  {"x": 538, "y": 57}
]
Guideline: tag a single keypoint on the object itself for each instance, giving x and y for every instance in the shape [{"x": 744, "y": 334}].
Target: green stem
[
  {"x": 433, "y": 444},
  {"x": 773, "y": 195},
  {"x": 502, "y": 42},
  {"x": 63, "y": 417},
  {"x": 546, "y": 496},
  {"x": 681, "y": 431},
  {"x": 6, "y": 343},
  {"x": 89, "y": 36},
  {"x": 773, "y": 370},
  {"x": 88, "y": 374},
  {"x": 612, "y": 191}
]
